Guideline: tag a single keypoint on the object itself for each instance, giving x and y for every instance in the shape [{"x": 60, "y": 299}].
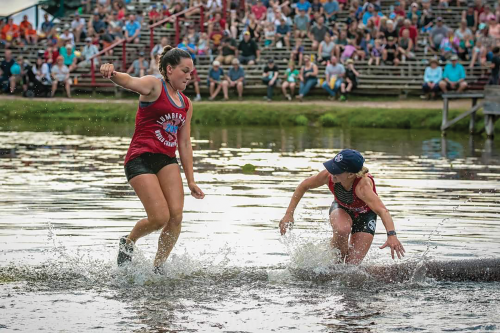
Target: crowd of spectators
[{"x": 366, "y": 33}]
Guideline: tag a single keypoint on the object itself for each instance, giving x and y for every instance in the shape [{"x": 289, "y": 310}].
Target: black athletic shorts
[
  {"x": 147, "y": 163},
  {"x": 364, "y": 222}
]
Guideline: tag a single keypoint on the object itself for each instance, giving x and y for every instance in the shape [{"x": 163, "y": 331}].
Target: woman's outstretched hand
[
  {"x": 285, "y": 223},
  {"x": 196, "y": 191},
  {"x": 395, "y": 245},
  {"x": 108, "y": 71}
]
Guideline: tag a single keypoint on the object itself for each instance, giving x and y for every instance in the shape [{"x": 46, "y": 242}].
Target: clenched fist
[{"x": 108, "y": 71}]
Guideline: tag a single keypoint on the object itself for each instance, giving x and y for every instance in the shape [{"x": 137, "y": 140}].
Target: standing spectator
[
  {"x": 5, "y": 73},
  {"x": 291, "y": 78},
  {"x": 132, "y": 30},
  {"x": 79, "y": 27},
  {"x": 437, "y": 34},
  {"x": 390, "y": 53},
  {"x": 214, "y": 80},
  {"x": 260, "y": 11},
  {"x": 19, "y": 74},
  {"x": 317, "y": 33},
  {"x": 308, "y": 77},
  {"x": 334, "y": 73},
  {"x": 351, "y": 80},
  {"x": 188, "y": 47},
  {"x": 453, "y": 76},
  {"x": 432, "y": 76},
  {"x": 495, "y": 66},
  {"x": 227, "y": 51},
  {"x": 234, "y": 79},
  {"x": 45, "y": 27},
  {"x": 27, "y": 31},
  {"x": 297, "y": 52},
  {"x": 68, "y": 54},
  {"x": 471, "y": 17},
  {"x": 250, "y": 52},
  {"x": 139, "y": 66},
  {"x": 331, "y": 8},
  {"x": 67, "y": 36},
  {"x": 283, "y": 33},
  {"x": 270, "y": 78},
  {"x": 326, "y": 50},
  {"x": 10, "y": 34},
  {"x": 89, "y": 50},
  {"x": 305, "y": 6},
  {"x": 301, "y": 22},
  {"x": 158, "y": 48},
  {"x": 60, "y": 75}
]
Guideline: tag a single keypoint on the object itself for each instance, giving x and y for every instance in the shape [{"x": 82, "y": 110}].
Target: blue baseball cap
[{"x": 348, "y": 160}]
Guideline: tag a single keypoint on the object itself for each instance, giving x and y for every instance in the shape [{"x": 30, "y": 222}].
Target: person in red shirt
[
  {"x": 413, "y": 31},
  {"x": 154, "y": 15},
  {"x": 260, "y": 11},
  {"x": 399, "y": 10},
  {"x": 216, "y": 24},
  {"x": 10, "y": 33},
  {"x": 50, "y": 55},
  {"x": 27, "y": 31},
  {"x": 163, "y": 124}
]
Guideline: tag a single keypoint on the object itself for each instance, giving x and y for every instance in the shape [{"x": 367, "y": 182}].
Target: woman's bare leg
[
  {"x": 342, "y": 224},
  {"x": 359, "y": 245}
]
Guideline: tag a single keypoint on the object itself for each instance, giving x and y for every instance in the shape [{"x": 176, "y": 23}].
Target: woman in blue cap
[{"x": 354, "y": 210}]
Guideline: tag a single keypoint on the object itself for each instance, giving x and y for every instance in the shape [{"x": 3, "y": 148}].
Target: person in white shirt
[
  {"x": 79, "y": 27},
  {"x": 67, "y": 36},
  {"x": 89, "y": 50}
]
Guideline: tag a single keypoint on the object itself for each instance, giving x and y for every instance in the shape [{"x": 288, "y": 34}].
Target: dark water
[{"x": 65, "y": 202}]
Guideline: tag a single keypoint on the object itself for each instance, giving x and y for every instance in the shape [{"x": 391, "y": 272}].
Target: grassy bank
[{"x": 273, "y": 114}]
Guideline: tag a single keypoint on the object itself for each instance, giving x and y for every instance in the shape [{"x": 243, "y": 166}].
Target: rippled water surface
[{"x": 65, "y": 202}]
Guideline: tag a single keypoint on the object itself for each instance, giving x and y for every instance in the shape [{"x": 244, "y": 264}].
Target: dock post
[{"x": 472, "y": 123}]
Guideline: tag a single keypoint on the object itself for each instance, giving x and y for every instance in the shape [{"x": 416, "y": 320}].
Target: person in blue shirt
[
  {"x": 433, "y": 75},
  {"x": 453, "y": 76},
  {"x": 283, "y": 33},
  {"x": 214, "y": 80},
  {"x": 188, "y": 47},
  {"x": 369, "y": 13},
  {"x": 132, "y": 30},
  {"x": 331, "y": 8},
  {"x": 303, "y": 5},
  {"x": 234, "y": 79}
]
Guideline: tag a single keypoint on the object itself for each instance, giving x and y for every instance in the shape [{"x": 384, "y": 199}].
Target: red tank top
[
  {"x": 157, "y": 125},
  {"x": 348, "y": 199}
]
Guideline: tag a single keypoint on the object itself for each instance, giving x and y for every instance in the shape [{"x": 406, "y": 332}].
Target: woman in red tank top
[
  {"x": 162, "y": 125},
  {"x": 354, "y": 210}
]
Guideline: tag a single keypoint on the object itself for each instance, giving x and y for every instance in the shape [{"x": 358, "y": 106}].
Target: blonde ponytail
[{"x": 364, "y": 171}]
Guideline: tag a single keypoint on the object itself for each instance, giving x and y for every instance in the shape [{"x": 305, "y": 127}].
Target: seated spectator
[
  {"x": 290, "y": 80},
  {"x": 89, "y": 50},
  {"x": 60, "y": 76},
  {"x": 406, "y": 47},
  {"x": 486, "y": 14},
  {"x": 427, "y": 18},
  {"x": 317, "y": 8},
  {"x": 432, "y": 76},
  {"x": 334, "y": 74},
  {"x": 390, "y": 54},
  {"x": 191, "y": 33},
  {"x": 139, "y": 17},
  {"x": 154, "y": 67},
  {"x": 203, "y": 45},
  {"x": 414, "y": 12},
  {"x": 214, "y": 80},
  {"x": 158, "y": 48},
  {"x": 331, "y": 8},
  {"x": 449, "y": 45},
  {"x": 471, "y": 17},
  {"x": 301, "y": 24},
  {"x": 27, "y": 32},
  {"x": 495, "y": 66},
  {"x": 351, "y": 80},
  {"x": 227, "y": 51},
  {"x": 139, "y": 66},
  {"x": 259, "y": 10},
  {"x": 10, "y": 34},
  {"x": 119, "y": 7},
  {"x": 412, "y": 31},
  {"x": 216, "y": 24},
  {"x": 5, "y": 73},
  {"x": 41, "y": 77},
  {"x": 349, "y": 51},
  {"x": 79, "y": 27},
  {"x": 69, "y": 56},
  {"x": 297, "y": 54},
  {"x": 213, "y": 7},
  {"x": 326, "y": 50},
  {"x": 154, "y": 15},
  {"x": 19, "y": 73},
  {"x": 234, "y": 79},
  {"x": 308, "y": 77},
  {"x": 108, "y": 38},
  {"x": 249, "y": 51},
  {"x": 254, "y": 28},
  {"x": 376, "y": 53},
  {"x": 283, "y": 33},
  {"x": 270, "y": 78},
  {"x": 45, "y": 27},
  {"x": 188, "y": 47},
  {"x": 453, "y": 76},
  {"x": 391, "y": 30},
  {"x": 437, "y": 34},
  {"x": 370, "y": 13},
  {"x": 67, "y": 36},
  {"x": 269, "y": 35},
  {"x": 341, "y": 43},
  {"x": 318, "y": 32},
  {"x": 398, "y": 12},
  {"x": 132, "y": 30},
  {"x": 303, "y": 5},
  {"x": 494, "y": 30},
  {"x": 463, "y": 30},
  {"x": 50, "y": 55}
]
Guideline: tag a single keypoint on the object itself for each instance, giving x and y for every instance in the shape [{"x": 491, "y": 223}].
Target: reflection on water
[{"x": 65, "y": 202}]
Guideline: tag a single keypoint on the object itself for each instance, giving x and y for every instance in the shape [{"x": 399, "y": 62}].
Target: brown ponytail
[{"x": 170, "y": 56}]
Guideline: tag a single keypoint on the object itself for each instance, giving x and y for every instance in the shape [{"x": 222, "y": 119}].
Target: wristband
[{"x": 391, "y": 233}]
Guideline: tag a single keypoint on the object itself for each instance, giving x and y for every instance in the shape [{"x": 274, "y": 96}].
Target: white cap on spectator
[
  {"x": 216, "y": 63},
  {"x": 414, "y": 4}
]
